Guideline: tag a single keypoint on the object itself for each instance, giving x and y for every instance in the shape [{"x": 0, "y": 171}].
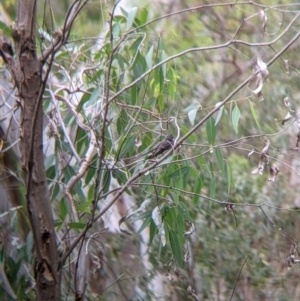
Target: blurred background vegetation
[{"x": 242, "y": 250}]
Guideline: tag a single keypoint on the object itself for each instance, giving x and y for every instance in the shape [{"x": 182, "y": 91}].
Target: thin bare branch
[{"x": 237, "y": 278}]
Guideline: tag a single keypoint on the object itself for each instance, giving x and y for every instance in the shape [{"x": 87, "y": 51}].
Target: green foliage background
[{"x": 242, "y": 250}]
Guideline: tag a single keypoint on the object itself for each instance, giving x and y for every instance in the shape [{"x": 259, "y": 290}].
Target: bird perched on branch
[{"x": 162, "y": 146}]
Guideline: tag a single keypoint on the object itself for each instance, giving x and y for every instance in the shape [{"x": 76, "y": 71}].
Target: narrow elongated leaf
[
  {"x": 152, "y": 231},
  {"x": 81, "y": 141},
  {"x": 192, "y": 115},
  {"x": 185, "y": 130},
  {"x": 125, "y": 13},
  {"x": 212, "y": 188},
  {"x": 51, "y": 173},
  {"x": 120, "y": 176},
  {"x": 253, "y": 113},
  {"x": 87, "y": 97},
  {"x": 180, "y": 228},
  {"x": 135, "y": 46},
  {"x": 91, "y": 171},
  {"x": 148, "y": 58},
  {"x": 157, "y": 219},
  {"x": 68, "y": 173},
  {"x": 106, "y": 180},
  {"x": 180, "y": 172},
  {"x": 160, "y": 102},
  {"x": 144, "y": 224},
  {"x": 63, "y": 209},
  {"x": 194, "y": 106},
  {"x": 95, "y": 96},
  {"x": 78, "y": 190},
  {"x": 220, "y": 161},
  {"x": 130, "y": 18},
  {"x": 211, "y": 130},
  {"x": 172, "y": 84},
  {"x": 143, "y": 15},
  {"x": 229, "y": 178},
  {"x": 235, "y": 117},
  {"x": 84, "y": 207},
  {"x": 127, "y": 144},
  {"x": 183, "y": 210},
  {"x": 76, "y": 225},
  {"x": 164, "y": 66},
  {"x": 176, "y": 248},
  {"x": 122, "y": 121},
  {"x": 197, "y": 189},
  {"x": 220, "y": 113}
]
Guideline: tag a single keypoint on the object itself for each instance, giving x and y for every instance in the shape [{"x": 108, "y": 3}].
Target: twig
[
  {"x": 237, "y": 278},
  {"x": 63, "y": 126}
]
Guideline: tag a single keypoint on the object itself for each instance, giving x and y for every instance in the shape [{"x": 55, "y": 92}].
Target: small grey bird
[{"x": 162, "y": 146}]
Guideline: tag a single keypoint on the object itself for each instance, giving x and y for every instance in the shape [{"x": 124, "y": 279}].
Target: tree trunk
[{"x": 27, "y": 73}]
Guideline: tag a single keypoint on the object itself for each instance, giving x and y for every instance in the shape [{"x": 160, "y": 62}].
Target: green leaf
[
  {"x": 180, "y": 172},
  {"x": 122, "y": 121},
  {"x": 185, "y": 130},
  {"x": 84, "y": 207},
  {"x": 135, "y": 46},
  {"x": 211, "y": 130},
  {"x": 126, "y": 145},
  {"x": 197, "y": 189},
  {"x": 54, "y": 191},
  {"x": 106, "y": 181},
  {"x": 235, "y": 117},
  {"x": 164, "y": 66},
  {"x": 170, "y": 217},
  {"x": 220, "y": 113},
  {"x": 90, "y": 193},
  {"x": 116, "y": 30},
  {"x": 148, "y": 58},
  {"x": 160, "y": 102},
  {"x": 253, "y": 113},
  {"x": 152, "y": 231},
  {"x": 212, "y": 188},
  {"x": 146, "y": 222},
  {"x": 229, "y": 178},
  {"x": 6, "y": 30},
  {"x": 81, "y": 141},
  {"x": 125, "y": 13},
  {"x": 130, "y": 18},
  {"x": 120, "y": 176},
  {"x": 89, "y": 99},
  {"x": 176, "y": 248},
  {"x": 58, "y": 223},
  {"x": 144, "y": 15},
  {"x": 49, "y": 161},
  {"x": 63, "y": 209},
  {"x": 51, "y": 173},
  {"x": 183, "y": 210},
  {"x": 179, "y": 220},
  {"x": 172, "y": 84},
  {"x": 68, "y": 173},
  {"x": 139, "y": 66},
  {"x": 92, "y": 170},
  {"x": 159, "y": 81},
  {"x": 122, "y": 62},
  {"x": 220, "y": 161},
  {"x": 192, "y": 115},
  {"x": 76, "y": 225},
  {"x": 78, "y": 190}
]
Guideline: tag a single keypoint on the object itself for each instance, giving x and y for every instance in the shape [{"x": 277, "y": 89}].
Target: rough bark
[{"x": 27, "y": 72}]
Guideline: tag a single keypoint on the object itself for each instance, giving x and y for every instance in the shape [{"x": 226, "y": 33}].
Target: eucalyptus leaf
[
  {"x": 211, "y": 131},
  {"x": 176, "y": 248},
  {"x": 235, "y": 117}
]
